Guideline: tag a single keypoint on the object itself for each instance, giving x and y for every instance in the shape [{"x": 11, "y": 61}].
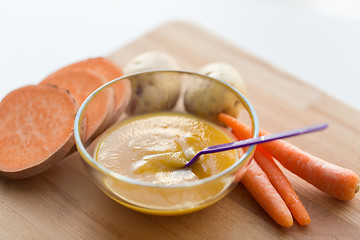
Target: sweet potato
[
  {"x": 110, "y": 71},
  {"x": 81, "y": 83},
  {"x": 36, "y": 129}
]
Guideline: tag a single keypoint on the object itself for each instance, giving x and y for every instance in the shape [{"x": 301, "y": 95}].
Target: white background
[{"x": 317, "y": 41}]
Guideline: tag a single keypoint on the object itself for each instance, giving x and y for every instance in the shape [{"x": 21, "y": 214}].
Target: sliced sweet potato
[
  {"x": 36, "y": 129},
  {"x": 109, "y": 70},
  {"x": 81, "y": 83}
]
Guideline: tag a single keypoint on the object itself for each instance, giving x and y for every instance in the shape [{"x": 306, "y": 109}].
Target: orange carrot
[
  {"x": 81, "y": 83},
  {"x": 259, "y": 186},
  {"x": 336, "y": 181},
  {"x": 279, "y": 181},
  {"x": 109, "y": 70},
  {"x": 36, "y": 129},
  {"x": 282, "y": 185}
]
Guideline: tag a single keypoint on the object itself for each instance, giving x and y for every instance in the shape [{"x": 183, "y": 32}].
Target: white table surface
[{"x": 316, "y": 41}]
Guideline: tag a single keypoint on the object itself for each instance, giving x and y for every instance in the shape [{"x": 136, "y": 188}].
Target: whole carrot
[
  {"x": 336, "y": 181},
  {"x": 277, "y": 178},
  {"x": 259, "y": 186},
  {"x": 282, "y": 185}
]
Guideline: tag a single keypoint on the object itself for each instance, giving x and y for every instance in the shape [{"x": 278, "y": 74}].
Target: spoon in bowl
[{"x": 257, "y": 140}]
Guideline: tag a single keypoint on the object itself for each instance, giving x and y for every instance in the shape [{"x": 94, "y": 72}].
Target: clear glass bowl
[{"x": 154, "y": 91}]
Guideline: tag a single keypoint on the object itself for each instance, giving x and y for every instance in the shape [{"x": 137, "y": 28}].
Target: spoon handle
[{"x": 257, "y": 140}]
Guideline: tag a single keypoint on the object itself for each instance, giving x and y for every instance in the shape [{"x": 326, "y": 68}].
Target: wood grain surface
[{"x": 63, "y": 203}]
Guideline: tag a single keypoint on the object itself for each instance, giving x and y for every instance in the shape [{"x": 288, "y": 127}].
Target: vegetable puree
[{"x": 155, "y": 147}]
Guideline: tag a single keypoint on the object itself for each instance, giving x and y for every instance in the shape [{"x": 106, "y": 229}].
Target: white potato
[
  {"x": 153, "y": 92},
  {"x": 151, "y": 60},
  {"x": 208, "y": 99},
  {"x": 226, "y": 73}
]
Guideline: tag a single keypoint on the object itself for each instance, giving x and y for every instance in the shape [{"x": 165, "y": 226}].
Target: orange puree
[{"x": 154, "y": 148}]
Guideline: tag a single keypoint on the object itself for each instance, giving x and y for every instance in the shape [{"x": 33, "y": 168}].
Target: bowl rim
[{"x": 100, "y": 168}]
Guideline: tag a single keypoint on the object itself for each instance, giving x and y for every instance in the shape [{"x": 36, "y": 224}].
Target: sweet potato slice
[
  {"x": 81, "y": 83},
  {"x": 110, "y": 71},
  {"x": 36, "y": 129}
]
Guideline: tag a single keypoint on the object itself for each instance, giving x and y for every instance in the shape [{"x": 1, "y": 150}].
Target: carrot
[
  {"x": 282, "y": 185},
  {"x": 279, "y": 181},
  {"x": 81, "y": 83},
  {"x": 259, "y": 186},
  {"x": 36, "y": 129},
  {"x": 109, "y": 70},
  {"x": 334, "y": 180}
]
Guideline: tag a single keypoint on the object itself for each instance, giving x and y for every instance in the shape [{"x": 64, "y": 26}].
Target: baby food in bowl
[{"x": 139, "y": 160}]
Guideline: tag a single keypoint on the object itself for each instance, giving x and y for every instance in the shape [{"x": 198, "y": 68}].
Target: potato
[
  {"x": 208, "y": 99},
  {"x": 226, "y": 73},
  {"x": 153, "y": 92}
]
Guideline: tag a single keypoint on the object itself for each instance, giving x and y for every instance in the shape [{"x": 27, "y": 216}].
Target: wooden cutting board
[{"x": 63, "y": 203}]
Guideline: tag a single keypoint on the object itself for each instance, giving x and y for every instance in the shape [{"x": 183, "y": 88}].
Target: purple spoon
[{"x": 257, "y": 140}]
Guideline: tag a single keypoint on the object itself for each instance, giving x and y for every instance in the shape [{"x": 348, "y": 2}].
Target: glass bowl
[{"x": 159, "y": 91}]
